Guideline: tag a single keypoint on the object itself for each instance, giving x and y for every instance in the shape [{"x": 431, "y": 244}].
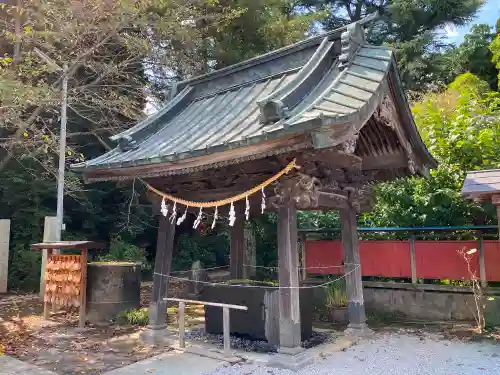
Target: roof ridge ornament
[
  {"x": 351, "y": 39},
  {"x": 127, "y": 143},
  {"x": 278, "y": 104}
]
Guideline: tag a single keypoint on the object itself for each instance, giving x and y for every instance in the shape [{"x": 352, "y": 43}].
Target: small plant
[
  {"x": 254, "y": 282},
  {"x": 136, "y": 317},
  {"x": 476, "y": 288},
  {"x": 336, "y": 295},
  {"x": 121, "y": 251}
]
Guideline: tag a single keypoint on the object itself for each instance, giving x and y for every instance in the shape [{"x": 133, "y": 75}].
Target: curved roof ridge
[{"x": 269, "y": 56}]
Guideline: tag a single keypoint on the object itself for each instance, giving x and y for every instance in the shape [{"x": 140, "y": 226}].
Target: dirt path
[{"x": 58, "y": 345}]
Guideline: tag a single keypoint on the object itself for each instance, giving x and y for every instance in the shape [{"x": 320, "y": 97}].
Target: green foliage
[
  {"x": 495, "y": 50},
  {"x": 136, "y": 317},
  {"x": 411, "y": 26},
  {"x": 473, "y": 55},
  {"x": 461, "y": 128},
  {"x": 24, "y": 201},
  {"x": 212, "y": 249},
  {"x": 336, "y": 294},
  {"x": 120, "y": 250},
  {"x": 257, "y": 27},
  {"x": 253, "y": 282}
]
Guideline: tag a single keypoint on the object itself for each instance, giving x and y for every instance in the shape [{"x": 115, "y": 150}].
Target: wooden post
[
  {"x": 289, "y": 306},
  {"x": 182, "y": 327},
  {"x": 226, "y": 331},
  {"x": 163, "y": 261},
  {"x": 250, "y": 257},
  {"x": 50, "y": 234},
  {"x": 46, "y": 305},
  {"x": 352, "y": 267},
  {"x": 303, "y": 263},
  {"x": 498, "y": 216},
  {"x": 83, "y": 290},
  {"x": 413, "y": 260},
  {"x": 4, "y": 254},
  {"x": 237, "y": 251},
  {"x": 482, "y": 266}
]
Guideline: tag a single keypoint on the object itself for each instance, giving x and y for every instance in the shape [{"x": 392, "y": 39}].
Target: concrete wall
[{"x": 423, "y": 302}]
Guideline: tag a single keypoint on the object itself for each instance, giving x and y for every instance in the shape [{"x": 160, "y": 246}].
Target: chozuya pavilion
[{"x": 310, "y": 126}]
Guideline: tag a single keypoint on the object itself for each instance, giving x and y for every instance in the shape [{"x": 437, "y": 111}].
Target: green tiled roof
[{"x": 332, "y": 80}]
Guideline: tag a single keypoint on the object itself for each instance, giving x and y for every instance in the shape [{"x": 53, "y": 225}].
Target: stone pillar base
[
  {"x": 157, "y": 336},
  {"x": 358, "y": 331},
  {"x": 291, "y": 358}
]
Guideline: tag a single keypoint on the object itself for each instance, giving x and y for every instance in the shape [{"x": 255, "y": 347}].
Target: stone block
[
  {"x": 111, "y": 289},
  {"x": 261, "y": 321}
]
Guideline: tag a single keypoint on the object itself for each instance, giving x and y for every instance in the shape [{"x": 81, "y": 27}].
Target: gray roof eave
[
  {"x": 308, "y": 125},
  {"x": 418, "y": 143}
]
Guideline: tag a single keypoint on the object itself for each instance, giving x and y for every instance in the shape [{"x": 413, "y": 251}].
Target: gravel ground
[
  {"x": 396, "y": 354},
  {"x": 249, "y": 345}
]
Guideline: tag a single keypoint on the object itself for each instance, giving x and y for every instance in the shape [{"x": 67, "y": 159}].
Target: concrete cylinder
[{"x": 112, "y": 287}]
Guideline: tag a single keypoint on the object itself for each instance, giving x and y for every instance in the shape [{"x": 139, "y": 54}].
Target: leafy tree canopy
[{"x": 412, "y": 26}]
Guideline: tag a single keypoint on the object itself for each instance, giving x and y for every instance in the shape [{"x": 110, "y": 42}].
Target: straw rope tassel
[
  {"x": 247, "y": 209},
  {"x": 263, "y": 203},
  {"x": 232, "y": 215},
  {"x": 216, "y": 216},
  {"x": 174, "y": 213},
  {"x": 164, "y": 207},
  {"x": 183, "y": 217},
  {"x": 198, "y": 219}
]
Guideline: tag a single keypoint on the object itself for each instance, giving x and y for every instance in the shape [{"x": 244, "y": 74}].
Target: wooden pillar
[
  {"x": 413, "y": 260},
  {"x": 289, "y": 306},
  {"x": 352, "y": 268},
  {"x": 482, "y": 264},
  {"x": 498, "y": 218},
  {"x": 4, "y": 254},
  {"x": 303, "y": 263},
  {"x": 250, "y": 253},
  {"x": 237, "y": 250},
  {"x": 163, "y": 261}
]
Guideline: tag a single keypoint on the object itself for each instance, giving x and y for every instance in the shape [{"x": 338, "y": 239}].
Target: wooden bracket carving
[
  {"x": 360, "y": 198},
  {"x": 349, "y": 146},
  {"x": 301, "y": 189}
]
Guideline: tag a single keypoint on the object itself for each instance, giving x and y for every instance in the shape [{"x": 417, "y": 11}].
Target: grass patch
[{"x": 135, "y": 317}]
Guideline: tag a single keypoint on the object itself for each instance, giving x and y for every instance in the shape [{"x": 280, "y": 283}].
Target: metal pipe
[{"x": 62, "y": 154}]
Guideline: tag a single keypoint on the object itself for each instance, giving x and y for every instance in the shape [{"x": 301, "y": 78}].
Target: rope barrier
[
  {"x": 264, "y": 267},
  {"x": 260, "y": 286},
  {"x": 303, "y": 268}
]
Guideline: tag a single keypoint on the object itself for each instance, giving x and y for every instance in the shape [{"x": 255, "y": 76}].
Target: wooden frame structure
[
  {"x": 483, "y": 186},
  {"x": 82, "y": 247},
  {"x": 332, "y": 102},
  {"x": 225, "y": 316}
]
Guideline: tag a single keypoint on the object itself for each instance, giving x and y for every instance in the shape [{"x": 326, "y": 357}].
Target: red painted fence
[{"x": 433, "y": 259}]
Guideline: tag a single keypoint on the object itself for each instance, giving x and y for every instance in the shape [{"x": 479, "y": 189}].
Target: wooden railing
[{"x": 225, "y": 320}]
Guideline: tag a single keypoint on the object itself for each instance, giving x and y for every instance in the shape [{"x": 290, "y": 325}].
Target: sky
[{"x": 489, "y": 13}]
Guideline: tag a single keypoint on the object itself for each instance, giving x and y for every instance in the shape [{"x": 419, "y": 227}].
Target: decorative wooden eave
[
  {"x": 483, "y": 185},
  {"x": 333, "y": 102}
]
